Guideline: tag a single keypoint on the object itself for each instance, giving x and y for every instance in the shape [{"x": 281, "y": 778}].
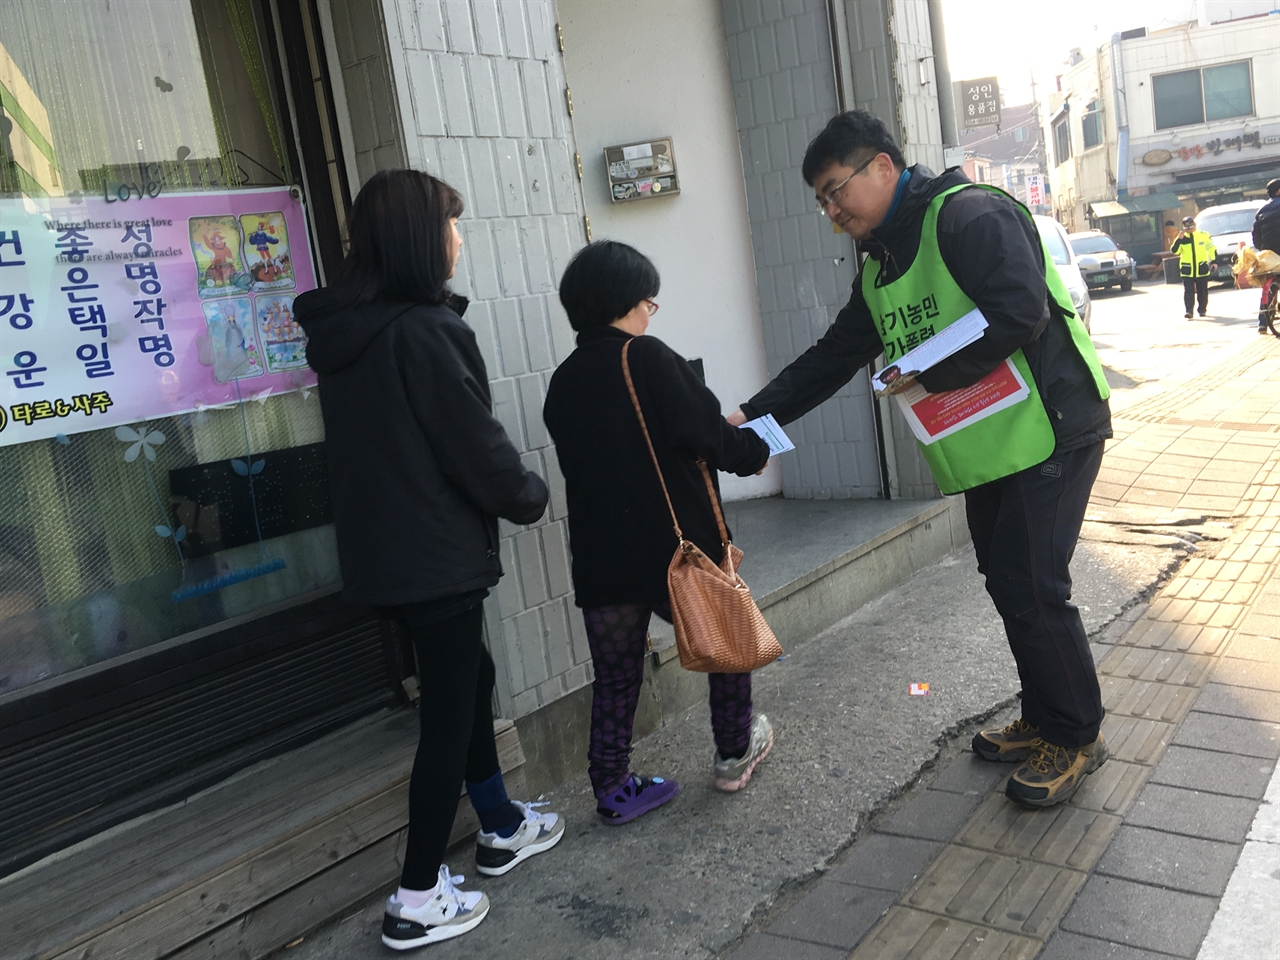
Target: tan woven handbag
[{"x": 719, "y": 628}]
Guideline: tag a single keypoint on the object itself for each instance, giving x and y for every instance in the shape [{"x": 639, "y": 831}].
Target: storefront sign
[
  {"x": 1036, "y": 193},
  {"x": 979, "y": 103},
  {"x": 112, "y": 313}
]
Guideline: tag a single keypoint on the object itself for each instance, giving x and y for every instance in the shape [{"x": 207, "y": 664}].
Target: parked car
[
  {"x": 1231, "y": 227},
  {"x": 1064, "y": 258},
  {"x": 1102, "y": 261}
]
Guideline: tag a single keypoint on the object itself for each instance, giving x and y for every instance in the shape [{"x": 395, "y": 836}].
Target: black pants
[
  {"x": 1193, "y": 289},
  {"x": 456, "y": 740},
  {"x": 1025, "y": 528}
]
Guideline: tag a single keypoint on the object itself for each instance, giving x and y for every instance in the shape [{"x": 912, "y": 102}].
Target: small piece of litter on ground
[
  {"x": 293, "y": 943},
  {"x": 782, "y": 657},
  {"x": 919, "y": 690}
]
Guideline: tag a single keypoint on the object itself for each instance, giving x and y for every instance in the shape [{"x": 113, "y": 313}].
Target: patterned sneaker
[
  {"x": 496, "y": 855},
  {"x": 732, "y": 775},
  {"x": 449, "y": 913},
  {"x": 1010, "y": 745},
  {"x": 637, "y": 796},
  {"x": 1054, "y": 773}
]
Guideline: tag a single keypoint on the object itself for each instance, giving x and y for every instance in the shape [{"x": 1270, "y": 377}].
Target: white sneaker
[
  {"x": 732, "y": 775},
  {"x": 449, "y": 913},
  {"x": 496, "y": 855}
]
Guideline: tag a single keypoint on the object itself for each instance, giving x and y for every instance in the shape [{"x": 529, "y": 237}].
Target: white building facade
[{"x": 1191, "y": 118}]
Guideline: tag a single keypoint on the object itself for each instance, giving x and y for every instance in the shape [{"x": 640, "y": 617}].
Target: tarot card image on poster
[
  {"x": 217, "y": 246},
  {"x": 283, "y": 341},
  {"x": 232, "y": 340},
  {"x": 267, "y": 250}
]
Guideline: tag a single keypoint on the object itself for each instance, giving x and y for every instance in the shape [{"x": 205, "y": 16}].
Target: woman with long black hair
[{"x": 420, "y": 472}]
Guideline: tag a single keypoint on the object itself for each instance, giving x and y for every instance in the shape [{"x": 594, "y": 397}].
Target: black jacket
[
  {"x": 619, "y": 525},
  {"x": 419, "y": 468},
  {"x": 1266, "y": 226},
  {"x": 994, "y": 253}
]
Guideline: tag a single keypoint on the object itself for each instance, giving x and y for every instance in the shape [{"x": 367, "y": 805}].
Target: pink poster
[{"x": 117, "y": 311}]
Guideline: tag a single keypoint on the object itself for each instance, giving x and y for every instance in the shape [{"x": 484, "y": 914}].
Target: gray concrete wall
[
  {"x": 784, "y": 91},
  {"x": 480, "y": 88}
]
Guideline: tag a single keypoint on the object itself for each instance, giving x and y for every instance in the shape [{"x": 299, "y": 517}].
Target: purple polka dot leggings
[{"x": 616, "y": 635}]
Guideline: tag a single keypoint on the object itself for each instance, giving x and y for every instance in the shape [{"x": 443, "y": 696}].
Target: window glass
[
  {"x": 1177, "y": 98},
  {"x": 1062, "y": 140},
  {"x": 1227, "y": 91},
  {"x": 1217, "y": 223},
  {"x": 135, "y": 108},
  {"x": 1102, "y": 244},
  {"x": 1091, "y": 125},
  {"x": 1020, "y": 134},
  {"x": 1053, "y": 240}
]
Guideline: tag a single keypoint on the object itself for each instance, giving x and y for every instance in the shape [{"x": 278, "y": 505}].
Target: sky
[{"x": 1014, "y": 39}]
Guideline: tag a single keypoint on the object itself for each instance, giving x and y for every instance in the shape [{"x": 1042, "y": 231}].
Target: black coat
[
  {"x": 419, "y": 468},
  {"x": 1266, "y": 226},
  {"x": 995, "y": 255},
  {"x": 619, "y": 525}
]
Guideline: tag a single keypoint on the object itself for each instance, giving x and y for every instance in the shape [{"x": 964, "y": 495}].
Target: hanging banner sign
[{"x": 116, "y": 311}]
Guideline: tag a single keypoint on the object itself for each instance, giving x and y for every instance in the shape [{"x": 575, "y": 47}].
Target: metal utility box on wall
[{"x": 641, "y": 171}]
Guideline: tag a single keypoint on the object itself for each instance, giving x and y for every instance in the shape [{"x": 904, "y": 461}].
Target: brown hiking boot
[
  {"x": 1053, "y": 773},
  {"x": 1010, "y": 745}
]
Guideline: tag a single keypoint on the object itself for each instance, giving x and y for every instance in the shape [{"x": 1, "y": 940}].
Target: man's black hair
[
  {"x": 605, "y": 281},
  {"x": 1273, "y": 187},
  {"x": 850, "y": 138},
  {"x": 399, "y": 232}
]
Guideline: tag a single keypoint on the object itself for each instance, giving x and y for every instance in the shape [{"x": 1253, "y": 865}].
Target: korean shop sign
[
  {"x": 112, "y": 313},
  {"x": 979, "y": 103}
]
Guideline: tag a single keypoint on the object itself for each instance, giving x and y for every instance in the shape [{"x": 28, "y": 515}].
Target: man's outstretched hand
[{"x": 737, "y": 418}]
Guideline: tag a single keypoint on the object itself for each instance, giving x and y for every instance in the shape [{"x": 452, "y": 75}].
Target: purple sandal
[{"x": 637, "y": 796}]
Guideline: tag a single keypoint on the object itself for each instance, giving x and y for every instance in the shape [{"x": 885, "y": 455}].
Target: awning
[{"x": 1151, "y": 203}]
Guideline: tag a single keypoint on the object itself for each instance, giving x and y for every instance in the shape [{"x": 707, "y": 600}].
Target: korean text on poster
[{"x": 115, "y": 312}]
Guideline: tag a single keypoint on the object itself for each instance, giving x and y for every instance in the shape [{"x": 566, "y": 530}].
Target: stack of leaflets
[{"x": 933, "y": 416}]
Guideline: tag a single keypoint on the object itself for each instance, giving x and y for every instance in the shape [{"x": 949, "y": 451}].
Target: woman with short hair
[
  {"x": 620, "y": 527},
  {"x": 420, "y": 471}
]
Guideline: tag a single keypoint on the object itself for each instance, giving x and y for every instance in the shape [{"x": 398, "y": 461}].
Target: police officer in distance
[
  {"x": 1027, "y": 470},
  {"x": 1266, "y": 236},
  {"x": 1196, "y": 254}
]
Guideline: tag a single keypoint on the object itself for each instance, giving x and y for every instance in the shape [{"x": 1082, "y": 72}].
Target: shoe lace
[
  {"x": 1045, "y": 756},
  {"x": 1019, "y": 726},
  {"x": 530, "y": 813},
  {"x": 447, "y": 885}
]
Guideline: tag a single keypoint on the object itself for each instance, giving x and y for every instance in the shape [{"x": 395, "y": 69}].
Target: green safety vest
[
  {"x": 1195, "y": 254},
  {"x": 924, "y": 301}
]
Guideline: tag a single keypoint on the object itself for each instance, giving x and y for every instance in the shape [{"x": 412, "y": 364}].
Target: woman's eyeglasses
[{"x": 650, "y": 306}]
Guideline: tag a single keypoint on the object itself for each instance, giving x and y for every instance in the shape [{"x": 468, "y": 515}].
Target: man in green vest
[
  {"x": 937, "y": 247},
  {"x": 1196, "y": 254}
]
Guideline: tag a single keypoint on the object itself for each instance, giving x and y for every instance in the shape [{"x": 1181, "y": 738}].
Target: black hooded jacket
[
  {"x": 995, "y": 255},
  {"x": 419, "y": 467}
]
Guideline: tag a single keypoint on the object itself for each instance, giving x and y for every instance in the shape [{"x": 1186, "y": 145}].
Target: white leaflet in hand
[
  {"x": 951, "y": 339},
  {"x": 772, "y": 434}
]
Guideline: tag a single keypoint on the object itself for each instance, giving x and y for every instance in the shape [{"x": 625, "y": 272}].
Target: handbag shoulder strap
[{"x": 644, "y": 427}]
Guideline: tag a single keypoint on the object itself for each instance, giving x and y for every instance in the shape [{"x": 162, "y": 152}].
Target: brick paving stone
[
  {"x": 1210, "y": 731},
  {"x": 834, "y": 914},
  {"x": 1065, "y": 835},
  {"x": 1248, "y": 703},
  {"x": 885, "y": 862},
  {"x": 931, "y": 815},
  {"x": 1168, "y": 921},
  {"x": 1142, "y": 698},
  {"x": 1245, "y": 647},
  {"x": 1170, "y": 860},
  {"x": 1111, "y": 788},
  {"x": 1136, "y": 740},
  {"x": 1072, "y": 946},
  {"x": 1247, "y": 673},
  {"x": 1213, "y": 771},
  {"x": 911, "y": 933},
  {"x": 1194, "y": 813},
  {"x": 765, "y": 946},
  {"x": 1165, "y": 666},
  {"x": 1020, "y": 896},
  {"x": 970, "y": 774}
]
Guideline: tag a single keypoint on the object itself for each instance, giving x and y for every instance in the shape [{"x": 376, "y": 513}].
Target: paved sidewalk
[{"x": 1137, "y": 864}]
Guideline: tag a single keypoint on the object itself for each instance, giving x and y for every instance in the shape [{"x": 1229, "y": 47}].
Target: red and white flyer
[{"x": 933, "y": 416}]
